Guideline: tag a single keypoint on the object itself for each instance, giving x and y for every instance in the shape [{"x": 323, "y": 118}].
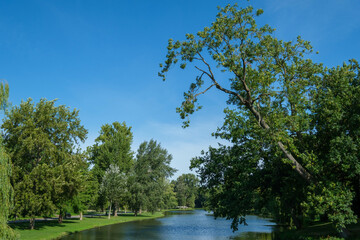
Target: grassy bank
[
  {"x": 52, "y": 229},
  {"x": 318, "y": 231}
]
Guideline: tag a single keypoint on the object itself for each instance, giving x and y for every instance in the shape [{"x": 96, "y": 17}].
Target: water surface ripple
[{"x": 180, "y": 225}]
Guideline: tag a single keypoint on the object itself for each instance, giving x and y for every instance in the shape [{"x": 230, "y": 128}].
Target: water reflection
[{"x": 179, "y": 226}]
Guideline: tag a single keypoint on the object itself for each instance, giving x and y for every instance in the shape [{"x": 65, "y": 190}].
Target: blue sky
[{"x": 102, "y": 57}]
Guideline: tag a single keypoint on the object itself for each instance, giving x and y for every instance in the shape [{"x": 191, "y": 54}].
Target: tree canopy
[
  {"x": 186, "y": 188},
  {"x": 112, "y": 146},
  {"x": 294, "y": 150},
  {"x": 152, "y": 167},
  {"x": 42, "y": 141}
]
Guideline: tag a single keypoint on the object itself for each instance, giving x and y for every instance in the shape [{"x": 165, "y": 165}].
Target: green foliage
[
  {"x": 170, "y": 200},
  {"x": 6, "y": 195},
  {"x": 186, "y": 188},
  {"x": 41, "y": 140},
  {"x": 294, "y": 124},
  {"x": 113, "y": 185},
  {"x": 6, "y": 190},
  {"x": 112, "y": 146},
  {"x": 147, "y": 184},
  {"x": 88, "y": 192}
]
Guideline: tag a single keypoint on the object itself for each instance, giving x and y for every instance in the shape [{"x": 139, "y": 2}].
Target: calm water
[{"x": 182, "y": 225}]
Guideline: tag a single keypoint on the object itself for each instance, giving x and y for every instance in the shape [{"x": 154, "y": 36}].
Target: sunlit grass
[{"x": 52, "y": 229}]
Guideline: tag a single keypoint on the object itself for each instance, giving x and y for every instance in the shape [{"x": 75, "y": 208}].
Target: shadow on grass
[{"x": 40, "y": 224}]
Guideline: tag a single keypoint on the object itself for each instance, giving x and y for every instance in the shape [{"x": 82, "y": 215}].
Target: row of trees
[
  {"x": 293, "y": 125},
  {"x": 43, "y": 171}
]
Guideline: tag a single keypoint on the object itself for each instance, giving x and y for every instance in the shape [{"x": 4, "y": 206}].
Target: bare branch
[{"x": 204, "y": 91}]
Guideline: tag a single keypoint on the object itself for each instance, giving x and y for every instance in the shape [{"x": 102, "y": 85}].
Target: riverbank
[{"x": 46, "y": 230}]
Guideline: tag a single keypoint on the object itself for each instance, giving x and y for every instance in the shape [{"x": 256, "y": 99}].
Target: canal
[{"x": 180, "y": 225}]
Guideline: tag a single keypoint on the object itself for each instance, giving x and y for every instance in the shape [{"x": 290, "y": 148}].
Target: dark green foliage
[
  {"x": 186, "y": 188},
  {"x": 88, "y": 192},
  {"x": 169, "y": 199},
  {"x": 293, "y": 124}
]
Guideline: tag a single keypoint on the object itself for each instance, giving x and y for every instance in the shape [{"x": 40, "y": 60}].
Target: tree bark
[
  {"x": 249, "y": 103},
  {"x": 60, "y": 219},
  {"x": 296, "y": 165},
  {"x": 109, "y": 211},
  {"x": 115, "y": 210},
  {"x": 81, "y": 215},
  {"x": 32, "y": 223}
]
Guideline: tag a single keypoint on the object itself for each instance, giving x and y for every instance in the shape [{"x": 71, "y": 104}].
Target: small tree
[{"x": 113, "y": 185}]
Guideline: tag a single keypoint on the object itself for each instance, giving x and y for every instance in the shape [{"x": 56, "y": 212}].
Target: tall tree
[
  {"x": 42, "y": 141},
  {"x": 268, "y": 79},
  {"x": 288, "y": 115},
  {"x": 112, "y": 146},
  {"x": 152, "y": 167},
  {"x": 6, "y": 190}
]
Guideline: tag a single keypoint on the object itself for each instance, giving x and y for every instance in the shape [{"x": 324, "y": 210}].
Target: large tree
[
  {"x": 42, "y": 141},
  {"x": 152, "y": 167},
  {"x": 268, "y": 79},
  {"x": 112, "y": 147},
  {"x": 288, "y": 122}
]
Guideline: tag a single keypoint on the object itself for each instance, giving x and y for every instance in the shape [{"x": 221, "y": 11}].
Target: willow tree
[{"x": 6, "y": 191}]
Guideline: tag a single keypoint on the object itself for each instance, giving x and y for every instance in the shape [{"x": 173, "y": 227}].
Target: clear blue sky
[{"x": 102, "y": 57}]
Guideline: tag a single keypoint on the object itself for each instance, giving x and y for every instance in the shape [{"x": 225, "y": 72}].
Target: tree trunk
[
  {"x": 296, "y": 220},
  {"x": 32, "y": 223},
  {"x": 356, "y": 201},
  {"x": 109, "y": 211},
  {"x": 81, "y": 215},
  {"x": 60, "y": 219},
  {"x": 344, "y": 233},
  {"x": 124, "y": 209},
  {"x": 296, "y": 165},
  {"x": 135, "y": 213},
  {"x": 115, "y": 210},
  {"x": 140, "y": 211}
]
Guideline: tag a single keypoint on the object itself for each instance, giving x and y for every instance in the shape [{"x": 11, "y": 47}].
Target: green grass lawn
[{"x": 52, "y": 229}]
